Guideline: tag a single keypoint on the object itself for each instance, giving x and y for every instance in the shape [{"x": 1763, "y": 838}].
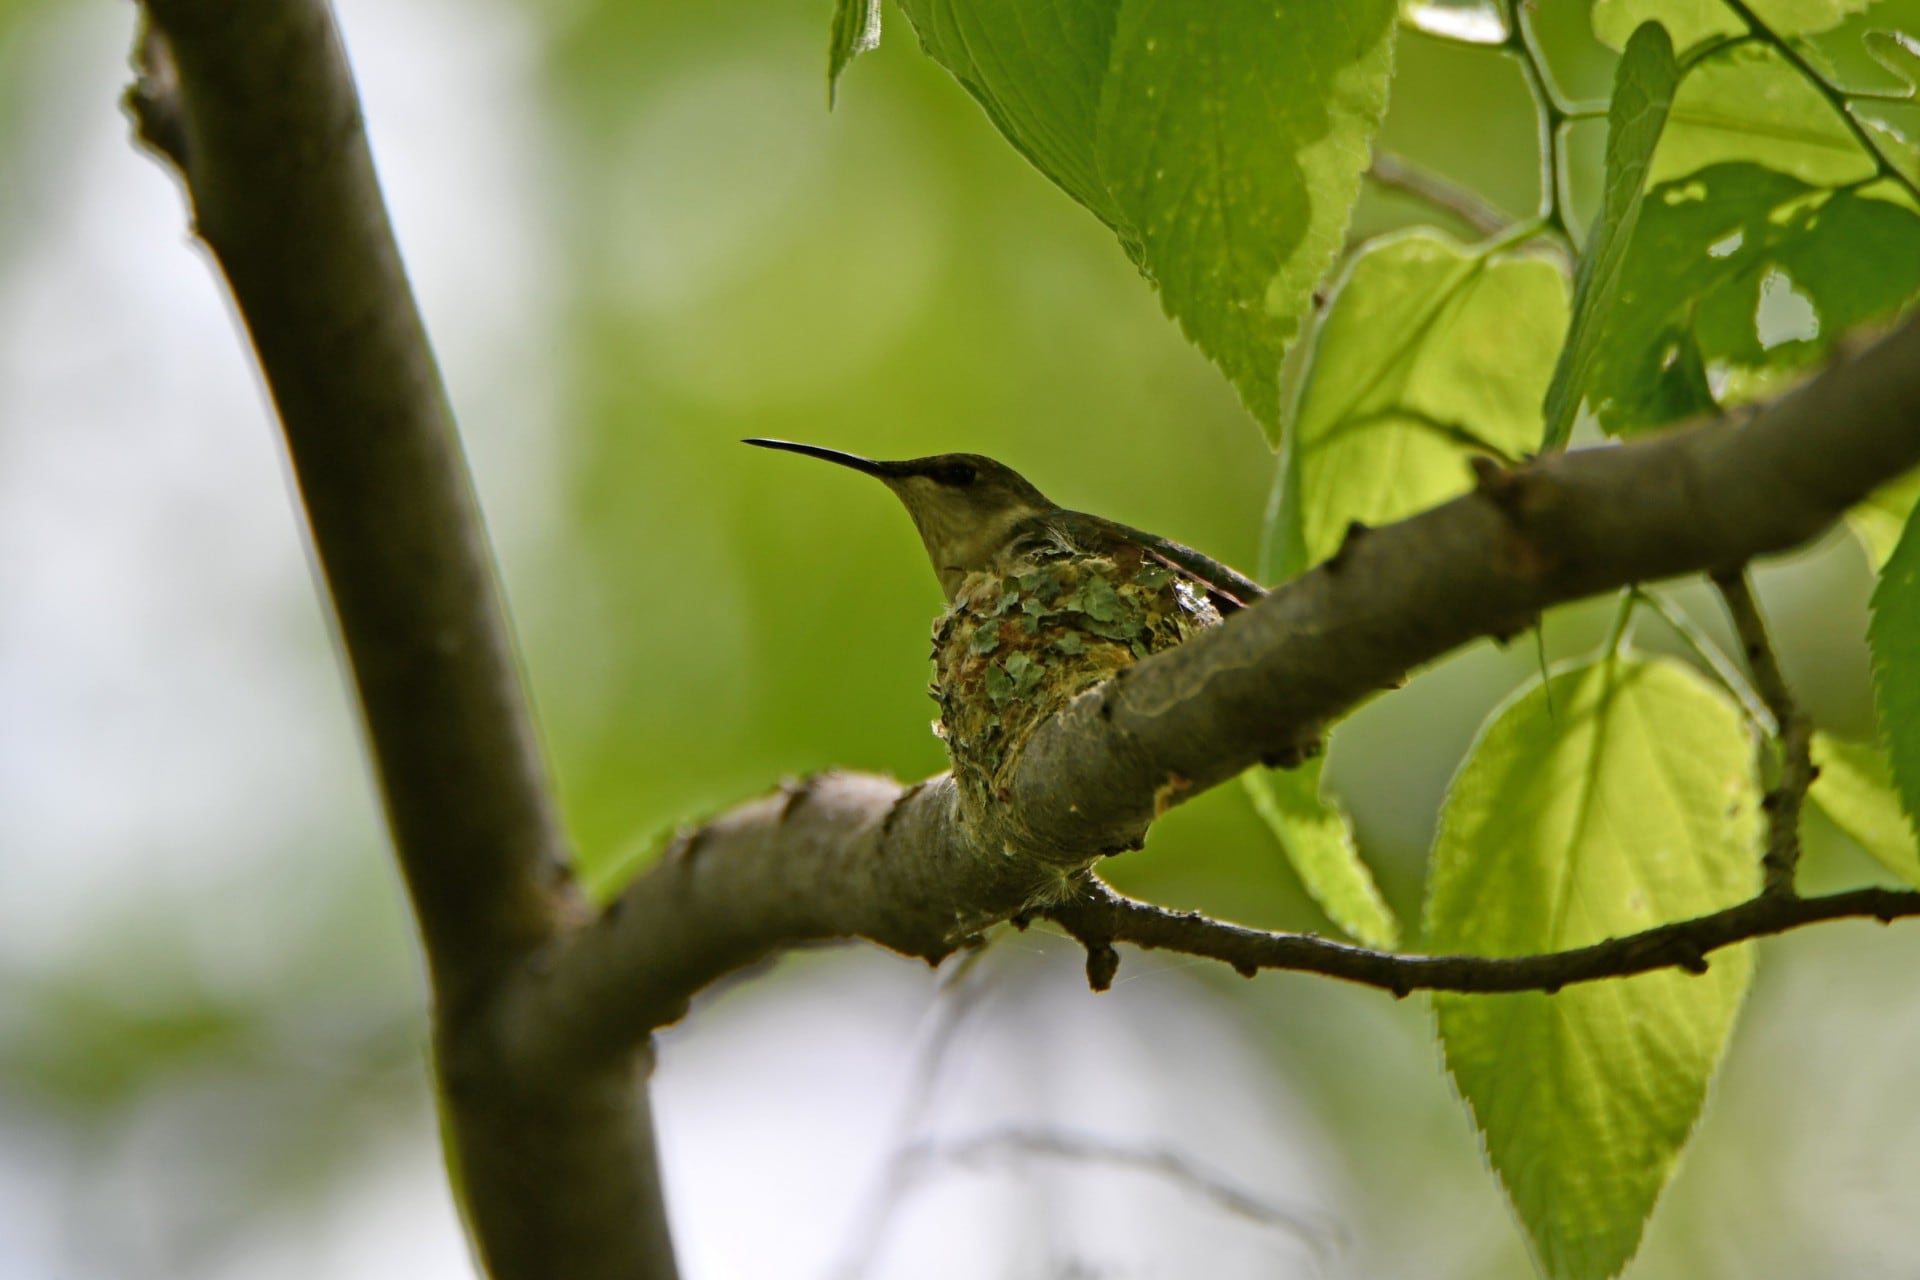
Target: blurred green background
[{"x": 639, "y": 236}]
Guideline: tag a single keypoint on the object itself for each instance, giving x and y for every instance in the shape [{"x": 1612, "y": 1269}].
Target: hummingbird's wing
[{"x": 1228, "y": 588}]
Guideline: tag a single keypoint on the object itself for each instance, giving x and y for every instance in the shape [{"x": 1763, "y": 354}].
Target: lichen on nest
[{"x": 1016, "y": 646}]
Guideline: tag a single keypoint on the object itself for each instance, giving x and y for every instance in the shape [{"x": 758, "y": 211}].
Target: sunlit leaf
[
  {"x": 1878, "y": 521},
  {"x": 1899, "y": 53},
  {"x": 1749, "y": 103},
  {"x": 1223, "y": 145},
  {"x": 1623, "y": 800},
  {"x": 855, "y": 30},
  {"x": 1318, "y": 839},
  {"x": 1894, "y": 634},
  {"x": 1643, "y": 90},
  {"x": 1691, "y": 21},
  {"x": 1736, "y": 276},
  {"x": 1427, "y": 353},
  {"x": 1855, "y": 790},
  {"x": 1898, "y": 142}
]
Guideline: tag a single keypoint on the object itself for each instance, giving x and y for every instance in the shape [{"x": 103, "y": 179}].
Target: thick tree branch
[
  {"x": 265, "y": 128},
  {"x": 1706, "y": 498},
  {"x": 834, "y": 856},
  {"x": 858, "y": 856},
  {"x": 255, "y": 107},
  {"x": 1098, "y": 918}
]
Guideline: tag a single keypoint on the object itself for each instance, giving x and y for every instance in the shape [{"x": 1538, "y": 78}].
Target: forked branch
[{"x": 1099, "y": 917}]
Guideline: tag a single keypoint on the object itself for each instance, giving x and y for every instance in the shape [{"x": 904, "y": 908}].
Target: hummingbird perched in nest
[
  {"x": 1043, "y": 603},
  {"x": 978, "y": 516}
]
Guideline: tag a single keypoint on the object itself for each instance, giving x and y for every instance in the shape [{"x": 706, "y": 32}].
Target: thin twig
[
  {"x": 928, "y": 1156},
  {"x": 1098, "y": 916},
  {"x": 1398, "y": 174},
  {"x": 961, "y": 990},
  {"x": 1711, "y": 656},
  {"x": 1787, "y": 793}
]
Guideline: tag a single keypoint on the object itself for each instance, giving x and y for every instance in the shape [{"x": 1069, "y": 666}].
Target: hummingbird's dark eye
[{"x": 960, "y": 474}]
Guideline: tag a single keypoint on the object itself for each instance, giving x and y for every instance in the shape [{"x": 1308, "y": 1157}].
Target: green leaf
[
  {"x": 1899, "y": 53},
  {"x": 1223, "y": 144},
  {"x": 1899, "y": 146},
  {"x": 1233, "y": 136},
  {"x": 1746, "y": 263},
  {"x": 1643, "y": 89},
  {"x": 1737, "y": 277},
  {"x": 1894, "y": 635},
  {"x": 856, "y": 29},
  {"x": 1317, "y": 837},
  {"x": 1855, "y": 791},
  {"x": 1750, "y": 103},
  {"x": 1037, "y": 70},
  {"x": 1877, "y": 522},
  {"x": 1691, "y": 21},
  {"x": 1427, "y": 353},
  {"x": 1623, "y": 800}
]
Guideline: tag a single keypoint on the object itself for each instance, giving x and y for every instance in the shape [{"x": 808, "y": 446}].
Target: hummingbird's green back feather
[{"x": 1229, "y": 588}]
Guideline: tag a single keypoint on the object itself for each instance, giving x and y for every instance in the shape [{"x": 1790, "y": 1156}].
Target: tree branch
[
  {"x": 264, "y": 128},
  {"x": 837, "y": 855},
  {"x": 1795, "y": 771},
  {"x": 926, "y": 1157},
  {"x": 1098, "y": 917},
  {"x": 1705, "y": 498},
  {"x": 254, "y": 106},
  {"x": 857, "y": 856},
  {"x": 1395, "y": 173},
  {"x": 541, "y": 1023}
]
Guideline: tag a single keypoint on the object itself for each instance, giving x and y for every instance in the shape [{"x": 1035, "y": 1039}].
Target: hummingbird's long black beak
[{"x": 854, "y": 460}]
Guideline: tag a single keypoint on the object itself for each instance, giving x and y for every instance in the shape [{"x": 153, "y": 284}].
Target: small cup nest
[{"x": 1017, "y": 645}]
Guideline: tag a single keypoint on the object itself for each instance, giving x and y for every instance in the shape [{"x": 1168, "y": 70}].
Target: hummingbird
[{"x": 977, "y": 515}]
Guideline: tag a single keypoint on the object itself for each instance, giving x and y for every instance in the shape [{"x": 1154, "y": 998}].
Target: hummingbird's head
[{"x": 966, "y": 506}]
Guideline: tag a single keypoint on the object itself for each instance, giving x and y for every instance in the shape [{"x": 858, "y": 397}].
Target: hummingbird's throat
[{"x": 962, "y": 542}]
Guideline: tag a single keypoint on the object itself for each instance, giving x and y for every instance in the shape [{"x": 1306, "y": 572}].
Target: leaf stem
[
  {"x": 1787, "y": 793},
  {"x": 1395, "y": 173},
  {"x": 1622, "y": 618},
  {"x": 1712, "y": 657},
  {"x": 1553, "y": 110}
]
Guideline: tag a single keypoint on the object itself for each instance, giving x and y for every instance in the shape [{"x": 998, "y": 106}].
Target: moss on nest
[{"x": 1017, "y": 646}]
